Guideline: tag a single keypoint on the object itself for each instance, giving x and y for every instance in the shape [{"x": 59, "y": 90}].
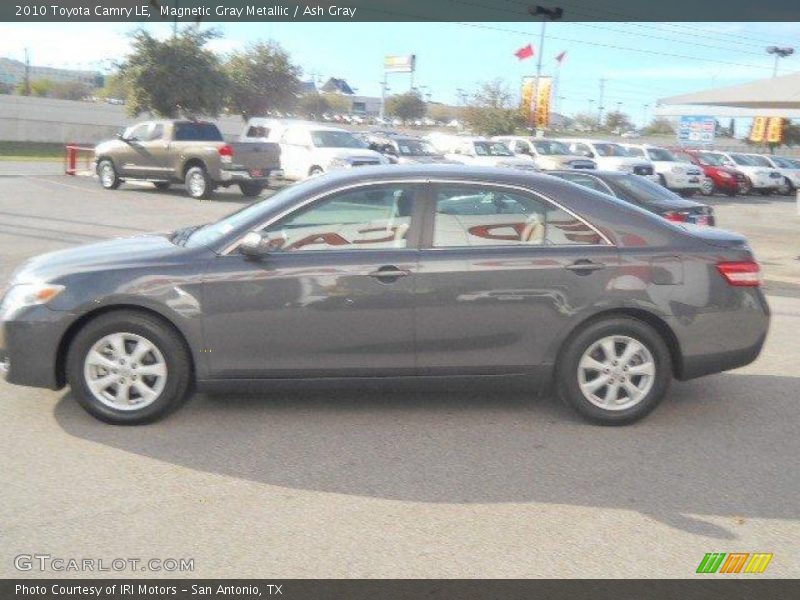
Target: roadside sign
[
  {"x": 400, "y": 64},
  {"x": 696, "y": 130}
]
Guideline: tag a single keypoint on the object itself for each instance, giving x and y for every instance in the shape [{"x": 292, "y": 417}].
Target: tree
[
  {"x": 313, "y": 105},
  {"x": 443, "y": 112},
  {"x": 659, "y": 126},
  {"x": 618, "y": 122},
  {"x": 114, "y": 87},
  {"x": 585, "y": 122},
  {"x": 338, "y": 103},
  {"x": 41, "y": 88},
  {"x": 406, "y": 106},
  {"x": 70, "y": 90},
  {"x": 489, "y": 111},
  {"x": 262, "y": 79},
  {"x": 175, "y": 77}
]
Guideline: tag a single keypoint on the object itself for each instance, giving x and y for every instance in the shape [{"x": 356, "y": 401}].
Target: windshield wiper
[{"x": 180, "y": 236}]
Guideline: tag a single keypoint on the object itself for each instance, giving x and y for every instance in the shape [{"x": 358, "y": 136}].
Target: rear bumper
[
  {"x": 727, "y": 338},
  {"x": 237, "y": 175}
]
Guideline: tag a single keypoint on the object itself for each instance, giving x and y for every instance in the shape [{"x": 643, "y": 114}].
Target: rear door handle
[
  {"x": 389, "y": 273},
  {"x": 585, "y": 266}
]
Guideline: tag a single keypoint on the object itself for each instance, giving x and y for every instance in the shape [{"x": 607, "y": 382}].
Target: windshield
[
  {"x": 784, "y": 163},
  {"x": 660, "y": 154},
  {"x": 759, "y": 161},
  {"x": 415, "y": 148},
  {"x": 335, "y": 139},
  {"x": 643, "y": 189},
  {"x": 551, "y": 148},
  {"x": 713, "y": 159},
  {"x": 610, "y": 150},
  {"x": 491, "y": 149},
  {"x": 745, "y": 161}
]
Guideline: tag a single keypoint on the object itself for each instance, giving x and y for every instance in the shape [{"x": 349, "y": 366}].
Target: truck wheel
[
  {"x": 786, "y": 188},
  {"x": 251, "y": 190},
  {"x": 108, "y": 175},
  {"x": 127, "y": 368},
  {"x": 614, "y": 371},
  {"x": 162, "y": 185},
  {"x": 662, "y": 180},
  {"x": 688, "y": 193},
  {"x": 198, "y": 183}
]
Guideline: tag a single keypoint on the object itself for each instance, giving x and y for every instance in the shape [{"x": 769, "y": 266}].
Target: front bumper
[
  {"x": 682, "y": 181},
  {"x": 763, "y": 182}
]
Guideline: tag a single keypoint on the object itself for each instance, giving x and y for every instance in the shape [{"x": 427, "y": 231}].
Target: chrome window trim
[{"x": 230, "y": 248}]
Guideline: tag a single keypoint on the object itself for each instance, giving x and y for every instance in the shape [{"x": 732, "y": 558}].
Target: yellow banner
[
  {"x": 536, "y": 101},
  {"x": 758, "y": 129},
  {"x": 775, "y": 130}
]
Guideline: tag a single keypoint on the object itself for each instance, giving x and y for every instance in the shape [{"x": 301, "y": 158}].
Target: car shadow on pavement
[{"x": 724, "y": 446}]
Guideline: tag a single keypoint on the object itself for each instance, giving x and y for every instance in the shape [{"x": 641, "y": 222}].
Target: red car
[{"x": 718, "y": 177}]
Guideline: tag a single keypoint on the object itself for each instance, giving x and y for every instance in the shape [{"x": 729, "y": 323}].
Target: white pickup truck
[
  {"x": 685, "y": 179},
  {"x": 611, "y": 157},
  {"x": 309, "y": 149}
]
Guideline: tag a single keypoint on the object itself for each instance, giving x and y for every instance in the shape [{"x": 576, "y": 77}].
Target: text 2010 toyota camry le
[{"x": 392, "y": 272}]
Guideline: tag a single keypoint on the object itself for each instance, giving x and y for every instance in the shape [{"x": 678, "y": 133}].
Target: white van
[
  {"x": 611, "y": 157},
  {"x": 309, "y": 149},
  {"x": 686, "y": 179}
]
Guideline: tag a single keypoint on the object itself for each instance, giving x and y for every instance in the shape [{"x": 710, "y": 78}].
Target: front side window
[
  {"x": 606, "y": 149},
  {"x": 137, "y": 133},
  {"x": 376, "y": 217},
  {"x": 551, "y": 148},
  {"x": 476, "y": 216},
  {"x": 660, "y": 154},
  {"x": 745, "y": 161},
  {"x": 759, "y": 161},
  {"x": 636, "y": 152}
]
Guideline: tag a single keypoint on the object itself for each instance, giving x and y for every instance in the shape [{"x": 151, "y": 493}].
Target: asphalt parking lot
[{"x": 380, "y": 482}]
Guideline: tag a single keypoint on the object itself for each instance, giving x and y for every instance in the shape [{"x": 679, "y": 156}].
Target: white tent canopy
[{"x": 778, "y": 94}]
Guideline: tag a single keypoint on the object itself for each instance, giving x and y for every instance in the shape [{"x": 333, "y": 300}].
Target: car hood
[
  {"x": 426, "y": 160},
  {"x": 563, "y": 160},
  {"x": 117, "y": 253},
  {"x": 628, "y": 161}
]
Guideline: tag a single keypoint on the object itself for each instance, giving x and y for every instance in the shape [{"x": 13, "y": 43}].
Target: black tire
[
  {"x": 707, "y": 188},
  {"x": 766, "y": 192},
  {"x": 250, "y": 189},
  {"x": 198, "y": 183},
  {"x": 314, "y": 171},
  {"x": 688, "y": 193},
  {"x": 567, "y": 373},
  {"x": 745, "y": 187},
  {"x": 162, "y": 185},
  {"x": 662, "y": 180},
  {"x": 107, "y": 173},
  {"x": 176, "y": 357},
  {"x": 786, "y": 188},
  {"x": 731, "y": 193}
]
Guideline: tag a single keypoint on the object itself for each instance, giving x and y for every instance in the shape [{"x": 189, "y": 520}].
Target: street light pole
[
  {"x": 551, "y": 14},
  {"x": 779, "y": 52}
]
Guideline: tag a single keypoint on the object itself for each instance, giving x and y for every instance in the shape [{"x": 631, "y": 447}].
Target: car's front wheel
[
  {"x": 614, "y": 371},
  {"x": 707, "y": 186},
  {"x": 108, "y": 174},
  {"x": 786, "y": 188},
  {"x": 745, "y": 187},
  {"x": 128, "y": 368}
]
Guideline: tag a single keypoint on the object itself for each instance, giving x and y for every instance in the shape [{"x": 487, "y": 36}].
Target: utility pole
[
  {"x": 26, "y": 81},
  {"x": 552, "y": 14},
  {"x": 600, "y": 103},
  {"x": 644, "y": 114},
  {"x": 383, "y": 95},
  {"x": 779, "y": 52}
]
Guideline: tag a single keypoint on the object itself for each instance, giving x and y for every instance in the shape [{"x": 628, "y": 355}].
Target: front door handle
[
  {"x": 389, "y": 273},
  {"x": 585, "y": 266}
]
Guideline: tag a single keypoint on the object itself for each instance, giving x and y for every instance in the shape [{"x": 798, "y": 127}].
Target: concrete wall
[{"x": 28, "y": 119}]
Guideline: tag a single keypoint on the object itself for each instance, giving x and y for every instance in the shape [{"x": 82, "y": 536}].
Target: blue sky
[{"x": 640, "y": 61}]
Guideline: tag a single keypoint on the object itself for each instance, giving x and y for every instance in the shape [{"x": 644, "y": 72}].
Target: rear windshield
[{"x": 197, "y": 132}]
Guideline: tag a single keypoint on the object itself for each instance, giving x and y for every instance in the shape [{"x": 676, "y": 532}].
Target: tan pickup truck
[{"x": 192, "y": 152}]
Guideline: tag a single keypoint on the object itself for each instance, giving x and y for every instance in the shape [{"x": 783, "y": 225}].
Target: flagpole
[
  {"x": 555, "y": 87},
  {"x": 539, "y": 132}
]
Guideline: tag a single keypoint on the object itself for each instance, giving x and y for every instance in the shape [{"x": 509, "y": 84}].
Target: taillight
[
  {"x": 677, "y": 217},
  {"x": 745, "y": 273},
  {"x": 226, "y": 152}
]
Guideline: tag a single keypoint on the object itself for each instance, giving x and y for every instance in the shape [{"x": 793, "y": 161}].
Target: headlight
[
  {"x": 28, "y": 294},
  {"x": 724, "y": 174},
  {"x": 677, "y": 169},
  {"x": 338, "y": 163}
]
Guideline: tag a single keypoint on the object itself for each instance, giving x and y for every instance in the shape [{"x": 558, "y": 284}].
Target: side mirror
[
  {"x": 254, "y": 245},
  {"x": 121, "y": 137}
]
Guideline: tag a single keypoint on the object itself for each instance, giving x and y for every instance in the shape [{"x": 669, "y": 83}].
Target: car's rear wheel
[
  {"x": 128, "y": 368},
  {"x": 198, "y": 183},
  {"x": 108, "y": 174},
  {"x": 614, "y": 371},
  {"x": 251, "y": 190},
  {"x": 786, "y": 188}
]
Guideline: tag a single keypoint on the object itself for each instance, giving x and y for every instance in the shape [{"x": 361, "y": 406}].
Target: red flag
[
  {"x": 525, "y": 52},
  {"x": 560, "y": 57}
]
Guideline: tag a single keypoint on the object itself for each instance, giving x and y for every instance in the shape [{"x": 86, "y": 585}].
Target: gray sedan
[{"x": 379, "y": 272}]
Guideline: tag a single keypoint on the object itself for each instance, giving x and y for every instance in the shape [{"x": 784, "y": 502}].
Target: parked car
[
  {"x": 643, "y": 193},
  {"x": 610, "y": 156},
  {"x": 788, "y": 170},
  {"x": 672, "y": 173},
  {"x": 309, "y": 149},
  {"x": 338, "y": 276},
  {"x": 192, "y": 152},
  {"x": 401, "y": 149},
  {"x": 546, "y": 154},
  {"x": 757, "y": 178},
  {"x": 484, "y": 152},
  {"x": 718, "y": 177}
]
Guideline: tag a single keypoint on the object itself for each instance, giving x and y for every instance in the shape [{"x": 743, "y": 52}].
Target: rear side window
[
  {"x": 257, "y": 131},
  {"x": 197, "y": 132},
  {"x": 587, "y": 181},
  {"x": 478, "y": 216}
]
